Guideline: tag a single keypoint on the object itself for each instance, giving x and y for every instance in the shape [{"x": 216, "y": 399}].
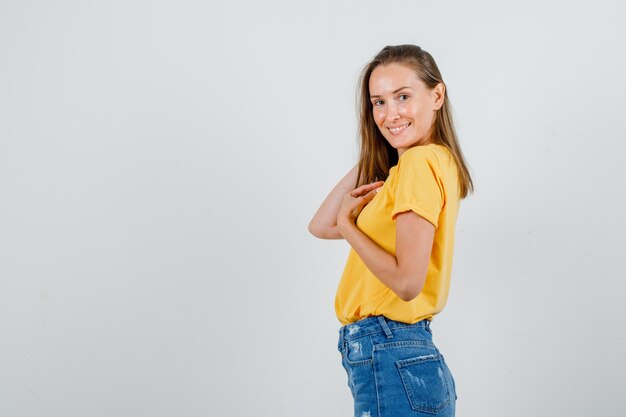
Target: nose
[{"x": 393, "y": 112}]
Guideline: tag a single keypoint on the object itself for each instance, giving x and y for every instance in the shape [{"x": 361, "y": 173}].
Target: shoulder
[
  {"x": 418, "y": 152},
  {"x": 434, "y": 155}
]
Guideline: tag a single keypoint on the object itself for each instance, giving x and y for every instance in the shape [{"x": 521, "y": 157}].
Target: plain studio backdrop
[{"x": 160, "y": 162}]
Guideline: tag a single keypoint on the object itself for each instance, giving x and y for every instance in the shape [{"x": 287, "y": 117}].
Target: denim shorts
[{"x": 395, "y": 370}]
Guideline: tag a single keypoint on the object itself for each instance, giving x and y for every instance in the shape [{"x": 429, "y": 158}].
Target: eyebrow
[{"x": 401, "y": 88}]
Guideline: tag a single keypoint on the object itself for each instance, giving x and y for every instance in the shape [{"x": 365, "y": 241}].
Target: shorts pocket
[
  {"x": 358, "y": 352},
  {"x": 424, "y": 380},
  {"x": 456, "y": 397}
]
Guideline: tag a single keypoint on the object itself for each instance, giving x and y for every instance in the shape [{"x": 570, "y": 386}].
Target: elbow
[
  {"x": 324, "y": 232},
  {"x": 408, "y": 296},
  {"x": 312, "y": 229},
  {"x": 315, "y": 230},
  {"x": 411, "y": 290}
]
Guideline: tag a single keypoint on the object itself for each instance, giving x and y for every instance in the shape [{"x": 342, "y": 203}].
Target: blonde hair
[{"x": 377, "y": 156}]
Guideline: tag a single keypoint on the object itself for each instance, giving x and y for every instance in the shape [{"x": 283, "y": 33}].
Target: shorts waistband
[{"x": 376, "y": 324}]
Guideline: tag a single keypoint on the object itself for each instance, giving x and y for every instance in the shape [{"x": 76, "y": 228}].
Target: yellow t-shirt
[{"x": 425, "y": 181}]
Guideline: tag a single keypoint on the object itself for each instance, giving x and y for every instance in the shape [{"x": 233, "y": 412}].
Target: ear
[{"x": 438, "y": 94}]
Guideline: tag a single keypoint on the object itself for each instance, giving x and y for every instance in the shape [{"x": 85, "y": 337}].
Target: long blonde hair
[{"x": 377, "y": 155}]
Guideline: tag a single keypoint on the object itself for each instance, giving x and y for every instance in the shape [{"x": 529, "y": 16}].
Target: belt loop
[{"x": 385, "y": 327}]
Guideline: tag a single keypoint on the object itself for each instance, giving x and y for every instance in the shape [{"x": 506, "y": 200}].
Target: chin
[{"x": 403, "y": 145}]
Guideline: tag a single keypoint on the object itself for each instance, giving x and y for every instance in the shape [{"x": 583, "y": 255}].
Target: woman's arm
[
  {"x": 404, "y": 273},
  {"x": 324, "y": 222}
]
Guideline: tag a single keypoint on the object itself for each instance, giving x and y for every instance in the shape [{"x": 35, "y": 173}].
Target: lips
[{"x": 396, "y": 130}]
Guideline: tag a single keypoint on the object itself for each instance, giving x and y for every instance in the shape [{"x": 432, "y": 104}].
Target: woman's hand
[{"x": 355, "y": 200}]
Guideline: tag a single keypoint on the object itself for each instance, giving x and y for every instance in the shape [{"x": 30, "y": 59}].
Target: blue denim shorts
[{"x": 395, "y": 370}]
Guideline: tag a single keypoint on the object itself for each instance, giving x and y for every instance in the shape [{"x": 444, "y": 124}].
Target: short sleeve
[{"x": 418, "y": 185}]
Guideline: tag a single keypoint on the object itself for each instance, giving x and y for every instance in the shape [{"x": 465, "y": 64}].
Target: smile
[{"x": 399, "y": 129}]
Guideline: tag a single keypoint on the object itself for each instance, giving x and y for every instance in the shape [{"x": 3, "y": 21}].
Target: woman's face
[{"x": 403, "y": 107}]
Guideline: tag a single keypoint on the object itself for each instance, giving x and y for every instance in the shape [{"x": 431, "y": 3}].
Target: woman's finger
[
  {"x": 370, "y": 195},
  {"x": 367, "y": 188}
]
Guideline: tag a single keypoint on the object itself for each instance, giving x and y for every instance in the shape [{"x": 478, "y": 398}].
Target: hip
[{"x": 395, "y": 369}]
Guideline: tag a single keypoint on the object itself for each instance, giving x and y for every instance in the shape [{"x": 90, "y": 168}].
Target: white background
[{"x": 160, "y": 162}]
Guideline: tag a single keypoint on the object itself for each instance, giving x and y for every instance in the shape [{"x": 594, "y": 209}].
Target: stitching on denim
[
  {"x": 400, "y": 343},
  {"x": 407, "y": 385},
  {"x": 393, "y": 329},
  {"x": 356, "y": 363},
  {"x": 376, "y": 385},
  {"x": 359, "y": 363}
]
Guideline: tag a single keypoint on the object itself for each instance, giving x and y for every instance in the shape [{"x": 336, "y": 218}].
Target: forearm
[
  {"x": 324, "y": 222},
  {"x": 381, "y": 263}
]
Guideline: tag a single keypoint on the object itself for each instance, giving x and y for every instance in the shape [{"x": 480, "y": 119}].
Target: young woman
[{"x": 397, "y": 208}]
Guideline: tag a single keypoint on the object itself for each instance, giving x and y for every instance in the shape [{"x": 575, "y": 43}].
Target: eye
[
  {"x": 404, "y": 95},
  {"x": 377, "y": 101}
]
